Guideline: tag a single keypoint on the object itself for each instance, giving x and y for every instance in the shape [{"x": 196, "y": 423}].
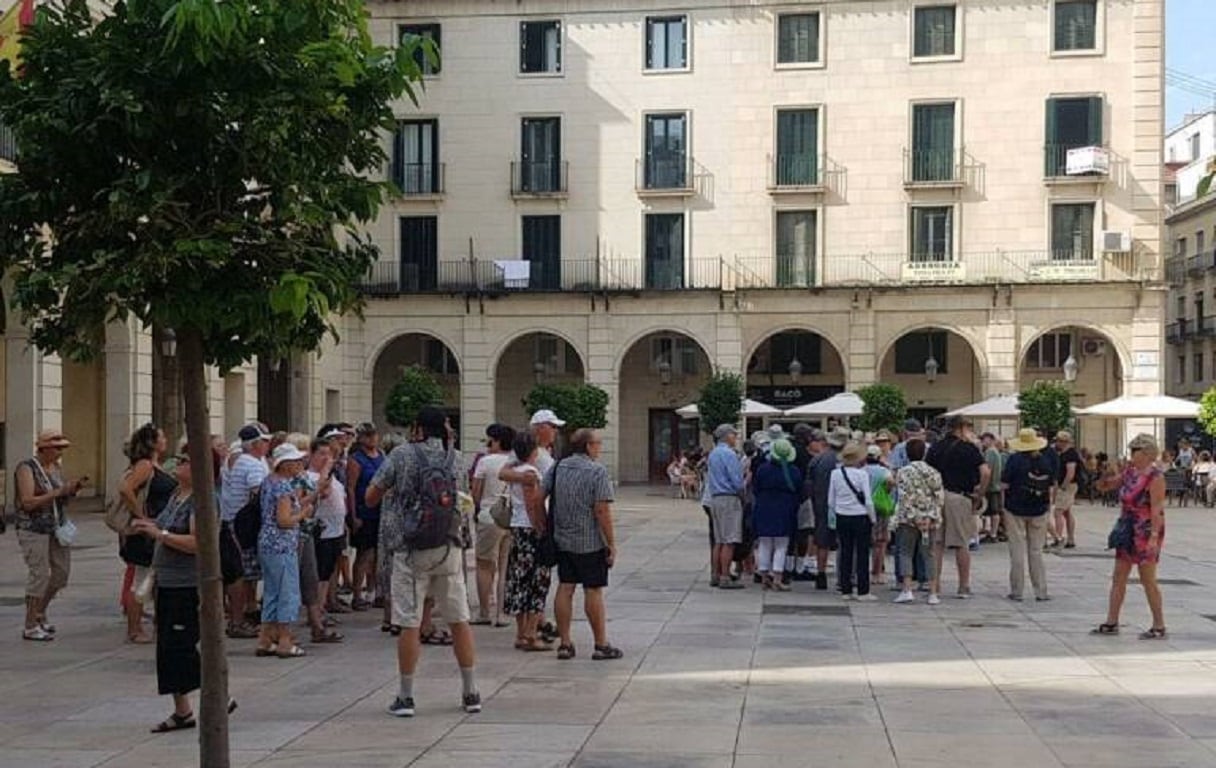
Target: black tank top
[{"x": 160, "y": 489}]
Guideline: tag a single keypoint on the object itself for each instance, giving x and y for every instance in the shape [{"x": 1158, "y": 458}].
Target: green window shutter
[
  {"x": 1095, "y": 120},
  {"x": 1052, "y": 157},
  {"x": 933, "y": 142},
  {"x": 797, "y": 146}
]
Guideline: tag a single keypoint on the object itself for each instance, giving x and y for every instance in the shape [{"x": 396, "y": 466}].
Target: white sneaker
[
  {"x": 846, "y": 596},
  {"x": 934, "y": 600},
  {"x": 868, "y": 597},
  {"x": 906, "y": 597},
  {"x": 37, "y": 634}
]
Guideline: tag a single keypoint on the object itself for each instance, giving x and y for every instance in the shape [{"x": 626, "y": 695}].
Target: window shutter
[
  {"x": 1095, "y": 120},
  {"x": 559, "y": 46},
  {"x": 398, "y": 161},
  {"x": 523, "y": 46},
  {"x": 1051, "y": 152},
  {"x": 684, "y": 42},
  {"x": 649, "y": 44}
]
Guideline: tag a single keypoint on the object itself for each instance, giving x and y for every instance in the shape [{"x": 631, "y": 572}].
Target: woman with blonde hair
[{"x": 1138, "y": 535}]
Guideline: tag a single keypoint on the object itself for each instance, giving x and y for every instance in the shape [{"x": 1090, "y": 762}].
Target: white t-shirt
[
  {"x": 544, "y": 461},
  {"x": 519, "y": 509},
  {"x": 841, "y": 497},
  {"x": 487, "y": 471},
  {"x": 331, "y": 509}
]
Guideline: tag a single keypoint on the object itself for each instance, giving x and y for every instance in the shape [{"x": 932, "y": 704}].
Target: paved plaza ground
[{"x": 711, "y": 679}]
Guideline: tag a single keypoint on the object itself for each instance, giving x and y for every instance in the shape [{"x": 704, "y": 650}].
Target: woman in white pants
[{"x": 777, "y": 486}]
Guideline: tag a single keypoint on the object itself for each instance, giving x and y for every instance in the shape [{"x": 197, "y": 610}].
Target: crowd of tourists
[
  {"x": 780, "y": 504},
  {"x": 313, "y": 528}
]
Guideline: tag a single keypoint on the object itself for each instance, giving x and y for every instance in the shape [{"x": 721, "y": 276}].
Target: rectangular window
[
  {"x": 542, "y": 247},
  {"x": 1180, "y": 308},
  {"x": 438, "y": 359},
  {"x": 540, "y": 47},
  {"x": 1200, "y": 238},
  {"x": 667, "y": 42},
  {"x": 549, "y": 352},
  {"x": 1072, "y": 231},
  {"x": 1199, "y": 313},
  {"x": 1194, "y": 147},
  {"x": 666, "y": 163},
  {"x": 933, "y": 32},
  {"x": 797, "y": 147},
  {"x": 419, "y": 253},
  {"x": 798, "y": 38},
  {"x": 785, "y": 348},
  {"x": 796, "y": 237},
  {"x": 933, "y": 233},
  {"x": 1049, "y": 351},
  {"x": 1076, "y": 25},
  {"x": 430, "y": 32},
  {"x": 1197, "y": 367},
  {"x": 416, "y": 168},
  {"x": 933, "y": 142},
  {"x": 1072, "y": 123},
  {"x": 913, "y": 350},
  {"x": 665, "y": 251},
  {"x": 1180, "y": 372},
  {"x": 1180, "y": 247},
  {"x": 679, "y": 352},
  {"x": 541, "y": 154}
]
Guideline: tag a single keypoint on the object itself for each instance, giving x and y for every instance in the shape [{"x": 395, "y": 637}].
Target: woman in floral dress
[{"x": 1138, "y": 535}]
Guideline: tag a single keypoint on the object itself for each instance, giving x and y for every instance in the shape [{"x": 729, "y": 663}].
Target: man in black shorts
[{"x": 818, "y": 478}]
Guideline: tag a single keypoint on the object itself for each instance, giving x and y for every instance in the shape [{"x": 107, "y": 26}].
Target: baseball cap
[
  {"x": 874, "y": 451},
  {"x": 252, "y": 432},
  {"x": 545, "y": 416},
  {"x": 913, "y": 425},
  {"x": 725, "y": 430}
]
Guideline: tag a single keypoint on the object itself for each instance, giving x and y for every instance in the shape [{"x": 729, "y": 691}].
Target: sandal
[
  {"x": 1154, "y": 633},
  {"x": 328, "y": 637},
  {"x": 1105, "y": 629},
  {"x": 533, "y": 645},
  {"x": 385, "y": 626},
  {"x": 547, "y": 631},
  {"x": 295, "y": 652},
  {"x": 480, "y": 622},
  {"x": 607, "y": 653},
  {"x": 394, "y": 630},
  {"x": 175, "y": 722},
  {"x": 436, "y": 637},
  {"x": 265, "y": 653},
  {"x": 565, "y": 652}
]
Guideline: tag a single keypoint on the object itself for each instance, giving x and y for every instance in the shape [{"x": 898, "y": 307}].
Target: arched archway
[
  {"x": 533, "y": 358},
  {"x": 793, "y": 367},
  {"x": 660, "y": 372},
  {"x": 938, "y": 370},
  {"x": 1090, "y": 362},
  {"x": 422, "y": 350}
]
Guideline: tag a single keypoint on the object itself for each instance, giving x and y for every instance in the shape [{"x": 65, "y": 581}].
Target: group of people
[
  {"x": 779, "y": 505},
  {"x": 292, "y": 508}
]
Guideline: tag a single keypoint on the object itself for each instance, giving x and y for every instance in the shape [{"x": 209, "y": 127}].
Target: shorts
[
  {"x": 367, "y": 537},
  {"x": 435, "y": 573},
  {"x": 727, "y": 515},
  {"x": 489, "y": 542},
  {"x": 958, "y": 526},
  {"x": 995, "y": 507},
  {"x": 589, "y": 569},
  {"x": 48, "y": 561},
  {"x": 825, "y": 537},
  {"x": 1066, "y": 496},
  {"x": 328, "y": 552},
  {"x": 881, "y": 532}
]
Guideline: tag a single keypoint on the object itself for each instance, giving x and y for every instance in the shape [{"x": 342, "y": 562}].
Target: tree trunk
[{"x": 213, "y": 700}]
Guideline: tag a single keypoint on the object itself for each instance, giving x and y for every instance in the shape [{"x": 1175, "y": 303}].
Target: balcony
[
  {"x": 796, "y": 174},
  {"x": 1175, "y": 270},
  {"x": 1174, "y": 332},
  {"x": 8, "y": 144},
  {"x": 935, "y": 168},
  {"x": 392, "y": 278},
  {"x": 421, "y": 180},
  {"x": 1069, "y": 164},
  {"x": 667, "y": 177},
  {"x": 778, "y": 272},
  {"x": 985, "y": 268},
  {"x": 531, "y": 179}
]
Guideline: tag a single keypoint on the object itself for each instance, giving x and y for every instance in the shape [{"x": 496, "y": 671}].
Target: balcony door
[
  {"x": 419, "y": 253},
  {"x": 542, "y": 247},
  {"x": 1071, "y": 124},
  {"x": 541, "y": 154},
  {"x": 416, "y": 157},
  {"x": 1072, "y": 232},
  {"x": 667, "y": 151},
  {"x": 664, "y": 251},
  {"x": 797, "y": 147},
  {"x": 933, "y": 142},
  {"x": 796, "y": 232}
]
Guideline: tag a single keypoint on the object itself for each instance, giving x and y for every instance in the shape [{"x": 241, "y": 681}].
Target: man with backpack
[
  {"x": 1029, "y": 482},
  {"x": 421, "y": 526}
]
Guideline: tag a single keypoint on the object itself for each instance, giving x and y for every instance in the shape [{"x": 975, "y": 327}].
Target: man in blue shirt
[{"x": 724, "y": 481}]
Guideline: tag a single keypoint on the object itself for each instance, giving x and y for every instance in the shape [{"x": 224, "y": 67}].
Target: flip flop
[
  {"x": 606, "y": 653},
  {"x": 296, "y": 652},
  {"x": 175, "y": 722},
  {"x": 328, "y": 637}
]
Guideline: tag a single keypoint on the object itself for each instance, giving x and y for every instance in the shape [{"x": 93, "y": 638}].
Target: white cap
[
  {"x": 287, "y": 452},
  {"x": 546, "y": 416},
  {"x": 331, "y": 434}
]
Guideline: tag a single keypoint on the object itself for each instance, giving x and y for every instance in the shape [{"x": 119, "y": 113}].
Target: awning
[
  {"x": 843, "y": 404},
  {"x": 751, "y": 409},
  {"x": 1145, "y": 407},
  {"x": 995, "y": 407}
]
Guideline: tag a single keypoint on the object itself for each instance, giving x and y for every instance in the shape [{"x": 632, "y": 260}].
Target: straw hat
[
  {"x": 52, "y": 438},
  {"x": 852, "y": 454},
  {"x": 1027, "y": 441}
]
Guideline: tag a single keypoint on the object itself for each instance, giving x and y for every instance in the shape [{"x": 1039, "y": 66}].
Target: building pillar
[
  {"x": 128, "y": 395},
  {"x": 1145, "y": 374},
  {"x": 476, "y": 384},
  {"x": 728, "y": 344},
  {"x": 1001, "y": 348},
  {"x": 34, "y": 396},
  {"x": 601, "y": 371},
  {"x": 862, "y": 346}
]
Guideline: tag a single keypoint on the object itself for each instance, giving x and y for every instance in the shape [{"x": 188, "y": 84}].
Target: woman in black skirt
[{"x": 177, "y": 623}]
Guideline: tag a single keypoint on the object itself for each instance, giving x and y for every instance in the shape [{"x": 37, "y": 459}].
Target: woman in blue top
[
  {"x": 284, "y": 505},
  {"x": 777, "y": 484},
  {"x": 365, "y": 459}
]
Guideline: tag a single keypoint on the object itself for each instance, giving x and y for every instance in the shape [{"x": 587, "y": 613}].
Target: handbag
[
  {"x": 118, "y": 515},
  {"x": 884, "y": 505},
  {"x": 65, "y": 532},
  {"x": 500, "y": 510},
  {"x": 1122, "y": 537},
  {"x": 231, "y": 566},
  {"x": 806, "y": 515},
  {"x": 546, "y": 547}
]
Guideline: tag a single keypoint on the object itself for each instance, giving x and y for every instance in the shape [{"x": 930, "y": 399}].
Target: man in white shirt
[
  {"x": 240, "y": 483},
  {"x": 493, "y": 542},
  {"x": 545, "y": 426}
]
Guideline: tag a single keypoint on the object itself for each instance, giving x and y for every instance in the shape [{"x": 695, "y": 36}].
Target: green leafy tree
[
  {"x": 203, "y": 167},
  {"x": 721, "y": 400},
  {"x": 1046, "y": 406},
  {"x": 415, "y": 389},
  {"x": 883, "y": 407},
  {"x": 579, "y": 405},
  {"x": 1207, "y": 411}
]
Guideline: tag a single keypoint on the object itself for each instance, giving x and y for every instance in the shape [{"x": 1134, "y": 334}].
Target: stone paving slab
[{"x": 711, "y": 679}]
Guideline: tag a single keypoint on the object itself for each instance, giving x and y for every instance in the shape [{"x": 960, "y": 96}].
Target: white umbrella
[
  {"x": 751, "y": 409},
  {"x": 995, "y": 407},
  {"x": 1144, "y": 407},
  {"x": 842, "y": 404}
]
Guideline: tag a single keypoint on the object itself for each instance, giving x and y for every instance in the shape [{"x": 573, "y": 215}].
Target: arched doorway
[
  {"x": 792, "y": 368},
  {"x": 529, "y": 360},
  {"x": 424, "y": 351},
  {"x": 937, "y": 369},
  {"x": 659, "y": 373},
  {"x": 1088, "y": 362}
]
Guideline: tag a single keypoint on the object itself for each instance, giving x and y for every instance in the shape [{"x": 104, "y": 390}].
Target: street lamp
[
  {"x": 931, "y": 369},
  {"x": 538, "y": 371},
  {"x": 795, "y": 370},
  {"x": 168, "y": 343},
  {"x": 664, "y": 373},
  {"x": 1070, "y": 369}
]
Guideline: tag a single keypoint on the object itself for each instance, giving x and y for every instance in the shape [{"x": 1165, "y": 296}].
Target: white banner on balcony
[
  {"x": 933, "y": 272},
  {"x": 1065, "y": 271},
  {"x": 1085, "y": 160}
]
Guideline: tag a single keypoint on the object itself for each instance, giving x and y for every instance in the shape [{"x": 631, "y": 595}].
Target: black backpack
[
  {"x": 1039, "y": 480},
  {"x": 248, "y": 522}
]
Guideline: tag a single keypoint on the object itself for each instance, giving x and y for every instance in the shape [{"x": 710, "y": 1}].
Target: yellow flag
[{"x": 15, "y": 19}]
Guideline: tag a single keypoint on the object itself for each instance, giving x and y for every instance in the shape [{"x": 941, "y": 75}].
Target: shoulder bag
[
  {"x": 65, "y": 529},
  {"x": 500, "y": 510},
  {"x": 118, "y": 515}
]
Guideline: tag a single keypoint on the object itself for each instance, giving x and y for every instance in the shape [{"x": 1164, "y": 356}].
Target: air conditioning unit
[
  {"x": 1092, "y": 346},
  {"x": 1116, "y": 242}
]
